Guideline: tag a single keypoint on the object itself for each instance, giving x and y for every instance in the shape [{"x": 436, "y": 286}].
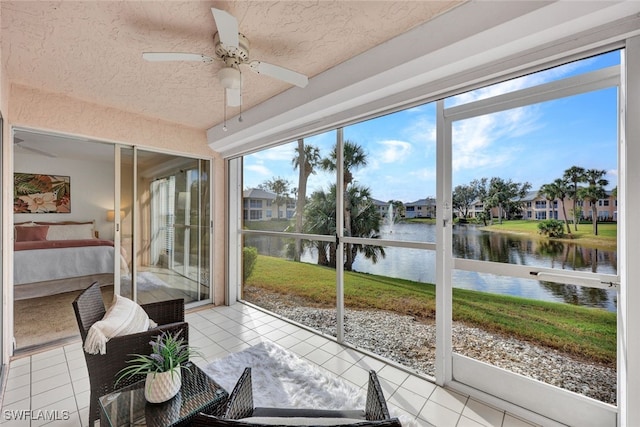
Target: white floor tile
[
  {"x": 449, "y": 399},
  {"x": 408, "y": 400},
  {"x": 60, "y": 398},
  {"x": 357, "y": 376},
  {"x": 50, "y": 383},
  {"x": 513, "y": 421},
  {"x": 318, "y": 356},
  {"x": 337, "y": 365},
  {"x": 420, "y": 386},
  {"x": 439, "y": 415},
  {"x": 483, "y": 414}
]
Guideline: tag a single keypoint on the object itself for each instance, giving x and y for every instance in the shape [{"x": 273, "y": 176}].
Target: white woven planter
[{"x": 162, "y": 386}]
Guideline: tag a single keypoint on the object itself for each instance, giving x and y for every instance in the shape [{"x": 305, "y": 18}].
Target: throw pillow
[
  {"x": 70, "y": 232},
  {"x": 31, "y": 233},
  {"x": 122, "y": 318}
]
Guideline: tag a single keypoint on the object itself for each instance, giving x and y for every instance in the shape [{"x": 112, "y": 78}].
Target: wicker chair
[
  {"x": 103, "y": 369},
  {"x": 240, "y": 411}
]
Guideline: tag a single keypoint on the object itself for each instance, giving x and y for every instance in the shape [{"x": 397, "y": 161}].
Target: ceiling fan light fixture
[{"x": 229, "y": 77}]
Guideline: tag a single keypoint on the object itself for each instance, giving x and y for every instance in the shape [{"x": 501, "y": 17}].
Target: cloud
[
  {"x": 393, "y": 151},
  {"x": 474, "y": 139},
  {"x": 279, "y": 153},
  {"x": 258, "y": 169},
  {"x": 513, "y": 85},
  {"x": 422, "y": 130}
]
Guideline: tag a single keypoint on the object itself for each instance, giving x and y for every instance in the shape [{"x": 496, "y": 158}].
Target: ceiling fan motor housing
[{"x": 232, "y": 54}]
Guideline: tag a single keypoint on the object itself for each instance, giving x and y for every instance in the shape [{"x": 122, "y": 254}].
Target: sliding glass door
[{"x": 172, "y": 248}]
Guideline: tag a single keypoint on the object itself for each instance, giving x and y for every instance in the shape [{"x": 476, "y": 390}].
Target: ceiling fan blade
[
  {"x": 175, "y": 56},
  {"x": 279, "y": 73},
  {"x": 233, "y": 97},
  {"x": 227, "y": 26}
]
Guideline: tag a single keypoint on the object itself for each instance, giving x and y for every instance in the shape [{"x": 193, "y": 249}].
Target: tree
[
  {"x": 281, "y": 188},
  {"x": 550, "y": 193},
  {"x": 320, "y": 218},
  {"x": 353, "y": 158},
  {"x": 562, "y": 190},
  {"x": 365, "y": 222},
  {"x": 506, "y": 195},
  {"x": 482, "y": 187},
  {"x": 463, "y": 197},
  {"x": 593, "y": 192},
  {"x": 573, "y": 176},
  {"x": 306, "y": 159}
]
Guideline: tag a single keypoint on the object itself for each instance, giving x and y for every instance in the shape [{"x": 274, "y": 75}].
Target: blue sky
[{"x": 533, "y": 144}]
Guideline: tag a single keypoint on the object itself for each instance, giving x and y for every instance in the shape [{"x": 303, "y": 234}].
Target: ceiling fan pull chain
[
  {"x": 224, "y": 125},
  {"x": 240, "y": 117}
]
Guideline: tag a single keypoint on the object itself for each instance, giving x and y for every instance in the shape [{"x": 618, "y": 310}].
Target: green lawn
[
  {"x": 606, "y": 238},
  {"x": 583, "y": 332}
]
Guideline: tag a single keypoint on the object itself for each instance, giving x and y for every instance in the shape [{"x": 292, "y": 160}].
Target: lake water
[{"x": 470, "y": 242}]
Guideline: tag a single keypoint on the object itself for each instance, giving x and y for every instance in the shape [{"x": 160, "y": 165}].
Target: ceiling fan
[{"x": 232, "y": 48}]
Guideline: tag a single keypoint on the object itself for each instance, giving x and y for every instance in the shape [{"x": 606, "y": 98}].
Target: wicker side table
[{"x": 128, "y": 407}]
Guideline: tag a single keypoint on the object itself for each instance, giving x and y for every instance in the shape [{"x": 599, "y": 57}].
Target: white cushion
[
  {"x": 301, "y": 421},
  {"x": 70, "y": 232},
  {"x": 124, "y": 317}
]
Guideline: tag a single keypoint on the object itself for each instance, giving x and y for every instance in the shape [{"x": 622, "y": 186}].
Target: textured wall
[
  {"x": 32, "y": 108},
  {"x": 50, "y": 111}
]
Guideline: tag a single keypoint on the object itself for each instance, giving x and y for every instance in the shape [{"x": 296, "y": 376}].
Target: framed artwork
[{"x": 35, "y": 193}]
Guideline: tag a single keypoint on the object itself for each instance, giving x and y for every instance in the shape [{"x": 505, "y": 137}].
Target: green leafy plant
[
  {"x": 551, "y": 228},
  {"x": 168, "y": 353},
  {"x": 249, "y": 257}
]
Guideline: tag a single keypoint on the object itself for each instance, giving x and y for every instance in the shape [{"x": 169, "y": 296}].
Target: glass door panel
[
  {"x": 125, "y": 224},
  {"x": 174, "y": 217}
]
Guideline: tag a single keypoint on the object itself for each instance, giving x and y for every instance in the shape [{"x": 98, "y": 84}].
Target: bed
[{"x": 55, "y": 257}]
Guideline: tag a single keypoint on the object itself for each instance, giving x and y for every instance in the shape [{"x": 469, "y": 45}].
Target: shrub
[
  {"x": 551, "y": 228},
  {"x": 249, "y": 257}
]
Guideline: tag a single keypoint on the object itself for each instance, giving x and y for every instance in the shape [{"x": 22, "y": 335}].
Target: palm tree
[
  {"x": 281, "y": 187},
  {"x": 320, "y": 218},
  {"x": 593, "y": 192},
  {"x": 365, "y": 222},
  {"x": 548, "y": 191},
  {"x": 574, "y": 175},
  {"x": 306, "y": 159},
  {"x": 556, "y": 190},
  {"x": 562, "y": 189},
  {"x": 353, "y": 158}
]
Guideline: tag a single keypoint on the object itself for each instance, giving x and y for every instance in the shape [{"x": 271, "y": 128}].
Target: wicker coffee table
[{"x": 128, "y": 407}]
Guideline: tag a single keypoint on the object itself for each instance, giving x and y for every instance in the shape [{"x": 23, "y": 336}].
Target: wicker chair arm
[
  {"x": 376, "y": 407},
  {"x": 240, "y": 403},
  {"x": 164, "y": 312}
]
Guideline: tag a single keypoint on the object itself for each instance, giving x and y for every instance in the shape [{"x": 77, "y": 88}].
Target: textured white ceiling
[{"x": 91, "y": 50}]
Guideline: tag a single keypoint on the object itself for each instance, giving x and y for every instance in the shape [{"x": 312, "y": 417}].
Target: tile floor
[{"x": 56, "y": 381}]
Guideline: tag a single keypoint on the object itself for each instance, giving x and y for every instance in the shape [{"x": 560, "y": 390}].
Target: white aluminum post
[{"x": 339, "y": 235}]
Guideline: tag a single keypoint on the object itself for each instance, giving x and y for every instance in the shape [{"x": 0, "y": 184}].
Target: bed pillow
[
  {"x": 70, "y": 232},
  {"x": 31, "y": 233},
  {"x": 124, "y": 317}
]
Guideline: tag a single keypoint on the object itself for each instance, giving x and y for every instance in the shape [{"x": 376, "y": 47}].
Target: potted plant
[{"x": 169, "y": 354}]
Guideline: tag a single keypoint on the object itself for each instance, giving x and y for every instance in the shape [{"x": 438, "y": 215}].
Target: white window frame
[{"x": 476, "y": 377}]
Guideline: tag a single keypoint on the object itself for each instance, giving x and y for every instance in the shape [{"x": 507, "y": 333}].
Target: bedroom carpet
[{"x": 42, "y": 320}]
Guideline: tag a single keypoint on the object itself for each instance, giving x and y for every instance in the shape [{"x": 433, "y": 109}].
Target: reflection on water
[{"x": 470, "y": 242}]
